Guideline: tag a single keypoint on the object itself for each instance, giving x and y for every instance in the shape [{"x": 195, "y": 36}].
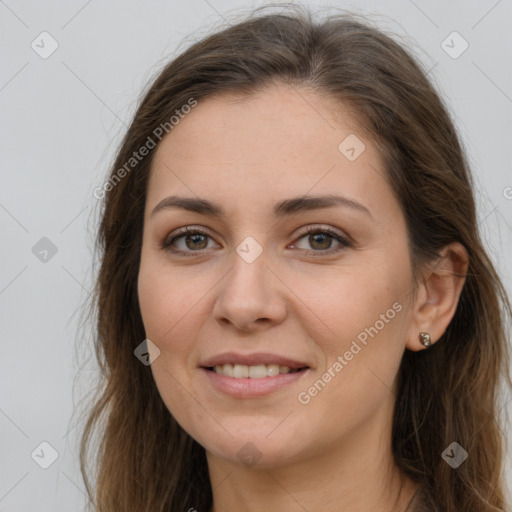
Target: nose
[{"x": 251, "y": 296}]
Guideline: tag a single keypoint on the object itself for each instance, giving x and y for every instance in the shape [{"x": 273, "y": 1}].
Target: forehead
[
  {"x": 278, "y": 142},
  {"x": 279, "y": 117}
]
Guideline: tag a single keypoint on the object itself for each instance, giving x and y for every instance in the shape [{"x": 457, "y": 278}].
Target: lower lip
[{"x": 248, "y": 388}]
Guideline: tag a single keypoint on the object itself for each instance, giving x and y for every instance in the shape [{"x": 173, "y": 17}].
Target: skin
[{"x": 246, "y": 153}]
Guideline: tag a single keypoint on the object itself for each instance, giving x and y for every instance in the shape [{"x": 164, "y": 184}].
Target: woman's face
[{"x": 257, "y": 294}]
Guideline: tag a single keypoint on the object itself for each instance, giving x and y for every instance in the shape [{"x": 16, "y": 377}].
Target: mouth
[
  {"x": 242, "y": 381},
  {"x": 259, "y": 371},
  {"x": 253, "y": 375}
]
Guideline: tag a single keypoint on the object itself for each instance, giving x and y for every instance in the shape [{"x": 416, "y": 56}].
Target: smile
[
  {"x": 242, "y": 371},
  {"x": 252, "y": 381}
]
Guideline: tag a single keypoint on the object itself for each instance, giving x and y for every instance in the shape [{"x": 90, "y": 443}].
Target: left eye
[{"x": 320, "y": 240}]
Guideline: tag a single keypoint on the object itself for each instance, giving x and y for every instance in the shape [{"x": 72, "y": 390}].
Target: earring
[{"x": 425, "y": 339}]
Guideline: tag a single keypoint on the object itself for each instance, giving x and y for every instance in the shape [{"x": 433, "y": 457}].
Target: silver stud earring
[{"x": 425, "y": 339}]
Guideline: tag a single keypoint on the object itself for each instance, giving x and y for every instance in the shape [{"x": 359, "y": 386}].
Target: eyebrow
[{"x": 281, "y": 209}]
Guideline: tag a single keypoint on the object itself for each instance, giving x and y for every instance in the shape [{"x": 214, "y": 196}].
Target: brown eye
[
  {"x": 191, "y": 239},
  {"x": 196, "y": 241},
  {"x": 323, "y": 240},
  {"x": 320, "y": 240}
]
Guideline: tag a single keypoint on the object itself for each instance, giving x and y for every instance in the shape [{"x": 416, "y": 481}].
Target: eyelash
[{"x": 166, "y": 244}]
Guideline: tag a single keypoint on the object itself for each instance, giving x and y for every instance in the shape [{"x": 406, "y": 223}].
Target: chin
[{"x": 255, "y": 450}]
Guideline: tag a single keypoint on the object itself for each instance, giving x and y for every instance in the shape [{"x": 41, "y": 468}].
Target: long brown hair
[{"x": 144, "y": 460}]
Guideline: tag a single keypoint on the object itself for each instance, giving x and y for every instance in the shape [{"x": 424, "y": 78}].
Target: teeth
[{"x": 241, "y": 371}]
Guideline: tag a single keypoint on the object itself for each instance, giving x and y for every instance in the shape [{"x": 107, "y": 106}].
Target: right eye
[{"x": 193, "y": 240}]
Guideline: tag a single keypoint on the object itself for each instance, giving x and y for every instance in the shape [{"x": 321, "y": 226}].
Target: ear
[{"x": 438, "y": 294}]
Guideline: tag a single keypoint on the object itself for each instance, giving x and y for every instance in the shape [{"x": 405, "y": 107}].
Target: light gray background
[{"x": 61, "y": 120}]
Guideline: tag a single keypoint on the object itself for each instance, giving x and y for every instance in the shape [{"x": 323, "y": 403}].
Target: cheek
[
  {"x": 164, "y": 299},
  {"x": 166, "y": 306},
  {"x": 352, "y": 300},
  {"x": 364, "y": 313},
  {"x": 171, "y": 305}
]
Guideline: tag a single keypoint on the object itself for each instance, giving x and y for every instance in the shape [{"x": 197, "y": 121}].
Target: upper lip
[{"x": 252, "y": 360}]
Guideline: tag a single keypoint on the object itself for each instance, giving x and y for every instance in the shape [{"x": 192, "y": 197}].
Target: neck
[{"x": 358, "y": 476}]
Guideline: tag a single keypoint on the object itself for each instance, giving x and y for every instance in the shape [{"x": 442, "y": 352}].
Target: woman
[{"x": 295, "y": 308}]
